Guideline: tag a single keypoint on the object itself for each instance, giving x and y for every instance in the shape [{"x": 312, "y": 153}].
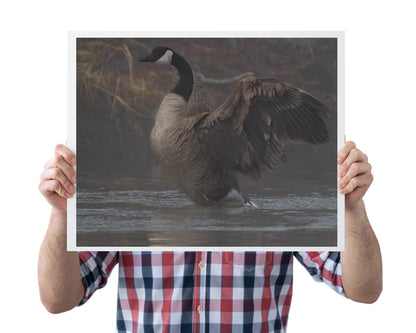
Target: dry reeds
[{"x": 107, "y": 77}]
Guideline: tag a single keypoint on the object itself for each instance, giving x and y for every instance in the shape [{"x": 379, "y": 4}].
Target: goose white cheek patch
[{"x": 166, "y": 58}]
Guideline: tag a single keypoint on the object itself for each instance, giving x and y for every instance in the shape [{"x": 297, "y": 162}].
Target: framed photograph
[{"x": 206, "y": 141}]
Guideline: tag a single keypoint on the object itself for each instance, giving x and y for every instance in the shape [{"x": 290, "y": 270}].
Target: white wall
[{"x": 380, "y": 89}]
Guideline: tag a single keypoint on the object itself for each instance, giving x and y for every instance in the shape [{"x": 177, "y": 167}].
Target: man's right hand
[
  {"x": 58, "y": 178},
  {"x": 59, "y": 273}
]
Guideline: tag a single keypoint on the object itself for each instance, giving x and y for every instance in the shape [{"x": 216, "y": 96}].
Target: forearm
[
  {"x": 59, "y": 273},
  {"x": 361, "y": 261}
]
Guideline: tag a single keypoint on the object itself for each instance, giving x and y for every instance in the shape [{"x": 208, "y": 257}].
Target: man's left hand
[{"x": 354, "y": 174}]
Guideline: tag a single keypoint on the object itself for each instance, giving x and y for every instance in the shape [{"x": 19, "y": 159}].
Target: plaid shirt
[{"x": 204, "y": 291}]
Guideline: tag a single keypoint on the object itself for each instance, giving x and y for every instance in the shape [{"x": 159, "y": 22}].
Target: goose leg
[{"x": 234, "y": 185}]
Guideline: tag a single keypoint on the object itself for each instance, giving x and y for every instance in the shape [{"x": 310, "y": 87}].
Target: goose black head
[
  {"x": 165, "y": 55},
  {"x": 160, "y": 55}
]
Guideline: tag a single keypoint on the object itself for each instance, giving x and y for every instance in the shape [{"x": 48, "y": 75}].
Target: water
[{"x": 143, "y": 208}]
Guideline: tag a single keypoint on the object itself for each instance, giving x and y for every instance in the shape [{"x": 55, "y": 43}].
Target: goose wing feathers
[{"x": 250, "y": 130}]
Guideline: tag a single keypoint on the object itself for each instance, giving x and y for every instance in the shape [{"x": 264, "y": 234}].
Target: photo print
[{"x": 214, "y": 142}]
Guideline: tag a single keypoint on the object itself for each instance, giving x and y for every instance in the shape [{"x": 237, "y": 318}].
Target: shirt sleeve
[
  {"x": 96, "y": 267},
  {"x": 323, "y": 267}
]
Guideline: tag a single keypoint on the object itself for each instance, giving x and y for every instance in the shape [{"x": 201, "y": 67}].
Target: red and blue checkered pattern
[{"x": 205, "y": 291}]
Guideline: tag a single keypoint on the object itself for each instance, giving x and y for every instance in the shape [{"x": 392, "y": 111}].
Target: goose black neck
[{"x": 186, "y": 78}]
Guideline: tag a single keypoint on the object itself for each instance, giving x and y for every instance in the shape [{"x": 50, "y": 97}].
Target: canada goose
[{"x": 202, "y": 149}]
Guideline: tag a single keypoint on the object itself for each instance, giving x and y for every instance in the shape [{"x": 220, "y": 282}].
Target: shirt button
[
  {"x": 201, "y": 265},
  {"x": 199, "y": 309}
]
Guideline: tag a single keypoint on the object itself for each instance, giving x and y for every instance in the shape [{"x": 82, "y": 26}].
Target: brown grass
[{"x": 108, "y": 68}]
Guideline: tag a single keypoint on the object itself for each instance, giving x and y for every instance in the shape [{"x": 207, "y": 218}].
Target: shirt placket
[{"x": 200, "y": 291}]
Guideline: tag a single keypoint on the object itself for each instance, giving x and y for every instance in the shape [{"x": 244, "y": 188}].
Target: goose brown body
[
  {"x": 175, "y": 143},
  {"x": 203, "y": 149}
]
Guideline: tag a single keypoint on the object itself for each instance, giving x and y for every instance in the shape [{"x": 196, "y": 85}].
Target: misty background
[{"x": 117, "y": 97}]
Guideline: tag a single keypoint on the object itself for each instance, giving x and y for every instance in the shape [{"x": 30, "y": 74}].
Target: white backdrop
[{"x": 380, "y": 89}]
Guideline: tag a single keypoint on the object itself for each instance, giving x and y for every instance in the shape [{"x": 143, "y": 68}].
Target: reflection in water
[{"x": 145, "y": 209}]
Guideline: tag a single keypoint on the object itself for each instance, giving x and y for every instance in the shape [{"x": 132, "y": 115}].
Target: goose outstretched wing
[{"x": 250, "y": 130}]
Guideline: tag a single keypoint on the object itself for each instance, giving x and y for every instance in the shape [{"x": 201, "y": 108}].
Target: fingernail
[
  {"x": 343, "y": 190},
  {"x": 72, "y": 189},
  {"x": 74, "y": 179},
  {"x": 68, "y": 195},
  {"x": 341, "y": 183},
  {"x": 74, "y": 161}
]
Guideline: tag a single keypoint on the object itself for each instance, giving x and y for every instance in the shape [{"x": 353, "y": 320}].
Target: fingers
[
  {"x": 63, "y": 160},
  {"x": 362, "y": 181},
  {"x": 348, "y": 155},
  {"x": 354, "y": 171},
  {"x": 344, "y": 151},
  {"x": 66, "y": 153},
  {"x": 59, "y": 176},
  {"x": 58, "y": 182},
  {"x": 50, "y": 187}
]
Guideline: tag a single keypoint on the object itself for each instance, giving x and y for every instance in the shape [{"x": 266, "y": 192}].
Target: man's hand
[
  {"x": 58, "y": 178},
  {"x": 361, "y": 263},
  {"x": 354, "y": 174},
  {"x": 59, "y": 273}
]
